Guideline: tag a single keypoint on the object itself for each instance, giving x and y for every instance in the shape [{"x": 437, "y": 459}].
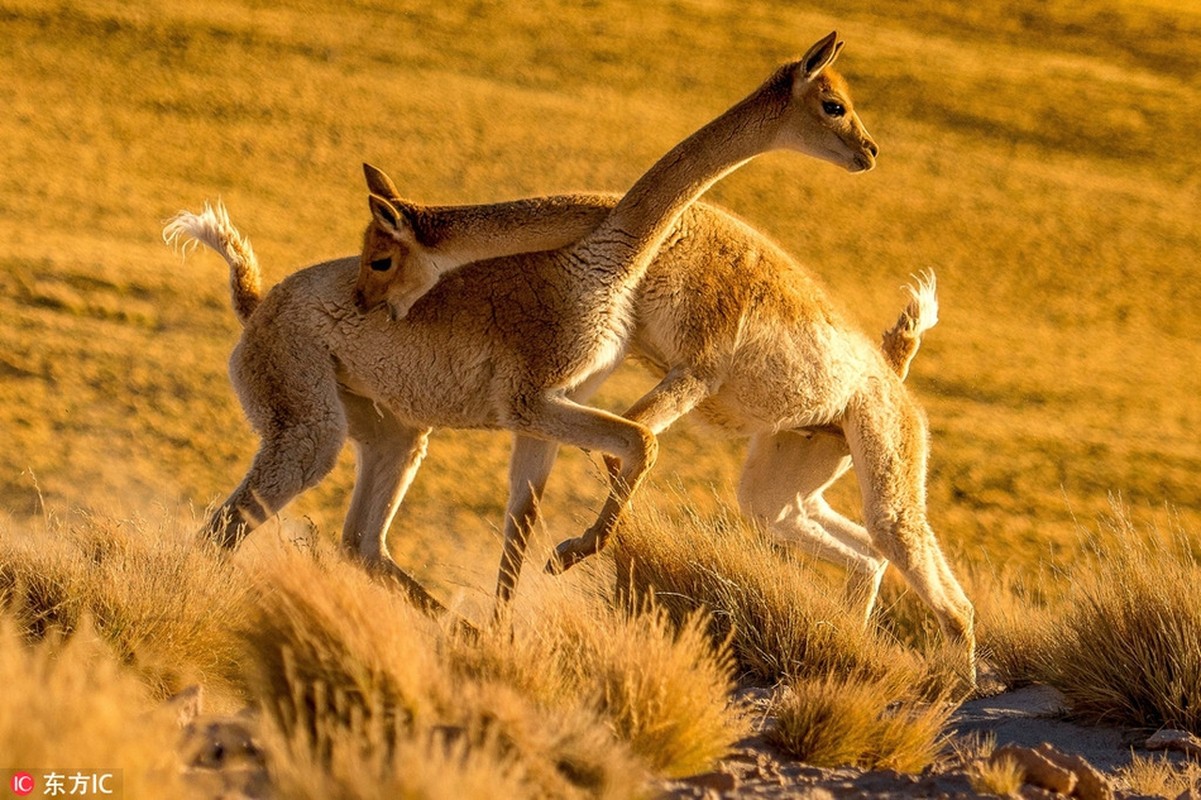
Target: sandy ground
[
  {"x": 1029, "y": 716},
  {"x": 223, "y": 761}
]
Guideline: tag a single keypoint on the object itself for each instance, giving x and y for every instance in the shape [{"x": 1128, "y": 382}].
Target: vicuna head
[
  {"x": 820, "y": 120},
  {"x": 395, "y": 267}
]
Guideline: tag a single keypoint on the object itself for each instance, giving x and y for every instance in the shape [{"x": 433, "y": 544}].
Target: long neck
[
  {"x": 633, "y": 231},
  {"x": 457, "y": 235}
]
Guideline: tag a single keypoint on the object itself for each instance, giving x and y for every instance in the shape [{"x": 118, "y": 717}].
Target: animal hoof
[{"x": 565, "y": 557}]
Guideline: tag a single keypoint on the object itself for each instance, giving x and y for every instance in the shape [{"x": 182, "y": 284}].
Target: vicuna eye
[
  {"x": 381, "y": 264},
  {"x": 834, "y": 109}
]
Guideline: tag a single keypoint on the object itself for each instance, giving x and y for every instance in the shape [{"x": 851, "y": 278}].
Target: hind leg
[
  {"x": 388, "y": 454},
  {"x": 782, "y": 487},
  {"x": 290, "y": 397},
  {"x": 291, "y": 458},
  {"x": 886, "y": 433}
]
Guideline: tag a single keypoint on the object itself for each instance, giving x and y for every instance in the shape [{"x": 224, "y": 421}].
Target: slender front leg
[
  {"x": 529, "y": 469},
  {"x": 674, "y": 396}
]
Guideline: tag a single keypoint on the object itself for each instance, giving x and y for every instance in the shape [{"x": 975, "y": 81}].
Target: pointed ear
[
  {"x": 379, "y": 183},
  {"x": 390, "y": 219},
  {"x": 820, "y": 56}
]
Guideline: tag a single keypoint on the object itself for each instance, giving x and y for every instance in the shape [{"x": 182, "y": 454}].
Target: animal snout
[
  {"x": 865, "y": 159},
  {"x": 360, "y": 300}
]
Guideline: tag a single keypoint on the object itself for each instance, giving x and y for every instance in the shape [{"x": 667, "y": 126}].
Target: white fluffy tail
[
  {"x": 920, "y": 315},
  {"x": 212, "y": 227},
  {"x": 922, "y": 311}
]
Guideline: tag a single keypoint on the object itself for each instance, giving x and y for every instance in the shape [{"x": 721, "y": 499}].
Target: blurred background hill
[{"x": 1042, "y": 157}]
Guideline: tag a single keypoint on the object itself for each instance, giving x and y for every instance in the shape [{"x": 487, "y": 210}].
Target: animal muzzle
[{"x": 865, "y": 159}]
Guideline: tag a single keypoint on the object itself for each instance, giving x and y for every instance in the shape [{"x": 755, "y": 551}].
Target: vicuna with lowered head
[{"x": 501, "y": 343}]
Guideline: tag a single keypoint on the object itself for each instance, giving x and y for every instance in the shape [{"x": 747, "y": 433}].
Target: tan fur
[
  {"x": 502, "y": 343},
  {"x": 747, "y": 338}
]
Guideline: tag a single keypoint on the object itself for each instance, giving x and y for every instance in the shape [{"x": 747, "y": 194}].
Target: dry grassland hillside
[{"x": 1042, "y": 157}]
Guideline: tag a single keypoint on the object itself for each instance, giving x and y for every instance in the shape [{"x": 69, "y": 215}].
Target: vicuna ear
[
  {"x": 391, "y": 221},
  {"x": 820, "y": 56},
  {"x": 378, "y": 182}
]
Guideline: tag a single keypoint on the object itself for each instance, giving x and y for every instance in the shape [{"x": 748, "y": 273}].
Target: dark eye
[
  {"x": 834, "y": 109},
  {"x": 381, "y": 264}
]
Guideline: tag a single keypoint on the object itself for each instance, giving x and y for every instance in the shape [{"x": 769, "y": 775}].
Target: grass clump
[
  {"x": 663, "y": 688},
  {"x": 583, "y": 702},
  {"x": 406, "y": 770},
  {"x": 69, "y": 704},
  {"x": 1126, "y": 647},
  {"x": 1159, "y": 777},
  {"x": 1001, "y": 777},
  {"x": 836, "y": 720},
  {"x": 778, "y": 614},
  {"x": 163, "y": 605},
  {"x": 358, "y": 683}
]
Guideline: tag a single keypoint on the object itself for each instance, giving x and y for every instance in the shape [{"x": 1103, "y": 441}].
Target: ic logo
[{"x": 22, "y": 784}]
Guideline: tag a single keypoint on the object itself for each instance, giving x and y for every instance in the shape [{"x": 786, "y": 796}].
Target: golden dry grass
[
  {"x": 70, "y": 706},
  {"x": 783, "y": 616},
  {"x": 1158, "y": 777},
  {"x": 779, "y": 620},
  {"x": 1001, "y": 778},
  {"x": 836, "y": 720},
  {"x": 1126, "y": 648},
  {"x": 166, "y": 608},
  {"x": 584, "y": 702},
  {"x": 358, "y": 692},
  {"x": 1121, "y": 634},
  {"x": 1041, "y": 157}
]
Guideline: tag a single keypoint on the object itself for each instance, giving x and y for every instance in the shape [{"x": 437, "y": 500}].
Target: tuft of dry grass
[
  {"x": 165, "y": 606},
  {"x": 664, "y": 687},
  {"x": 351, "y": 675},
  {"x": 362, "y": 765},
  {"x": 1159, "y": 777},
  {"x": 837, "y": 720},
  {"x": 1126, "y": 647},
  {"x": 778, "y": 613},
  {"x": 69, "y": 704},
  {"x": 583, "y": 702},
  {"x": 1003, "y": 777}
]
